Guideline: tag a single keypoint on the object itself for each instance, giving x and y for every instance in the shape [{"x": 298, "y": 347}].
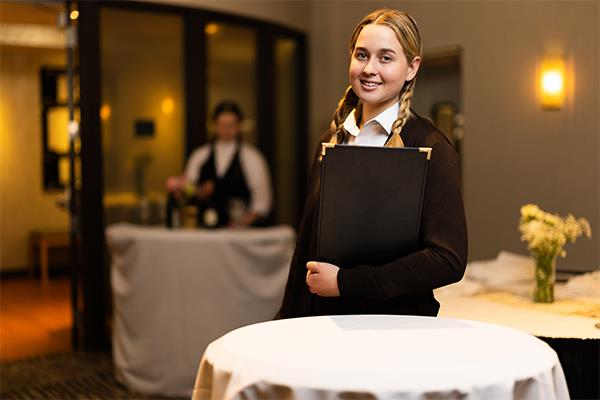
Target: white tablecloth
[
  {"x": 383, "y": 357},
  {"x": 500, "y": 291},
  {"x": 536, "y": 322},
  {"x": 175, "y": 291}
]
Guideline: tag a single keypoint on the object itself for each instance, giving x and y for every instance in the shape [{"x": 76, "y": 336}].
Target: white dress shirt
[
  {"x": 375, "y": 131},
  {"x": 253, "y": 166}
]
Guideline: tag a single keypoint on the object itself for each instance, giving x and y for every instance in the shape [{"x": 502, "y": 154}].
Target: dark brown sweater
[{"x": 405, "y": 285}]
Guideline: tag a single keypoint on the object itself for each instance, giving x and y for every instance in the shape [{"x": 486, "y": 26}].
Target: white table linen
[
  {"x": 514, "y": 274},
  {"x": 175, "y": 291},
  {"x": 535, "y": 322},
  {"x": 382, "y": 357}
]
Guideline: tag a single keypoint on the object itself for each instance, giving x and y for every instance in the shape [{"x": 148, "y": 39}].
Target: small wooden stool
[{"x": 45, "y": 240}]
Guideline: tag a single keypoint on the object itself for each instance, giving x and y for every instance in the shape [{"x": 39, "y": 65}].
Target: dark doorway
[{"x": 438, "y": 93}]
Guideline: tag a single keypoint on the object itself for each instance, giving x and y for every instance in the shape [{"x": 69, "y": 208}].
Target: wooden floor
[{"x": 34, "y": 319}]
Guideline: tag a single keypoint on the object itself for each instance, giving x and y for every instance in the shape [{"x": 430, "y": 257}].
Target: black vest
[{"x": 232, "y": 185}]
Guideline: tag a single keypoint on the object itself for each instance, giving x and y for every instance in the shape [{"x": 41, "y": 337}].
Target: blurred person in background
[{"x": 227, "y": 179}]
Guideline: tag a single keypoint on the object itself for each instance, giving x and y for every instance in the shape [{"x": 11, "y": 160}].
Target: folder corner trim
[{"x": 426, "y": 150}]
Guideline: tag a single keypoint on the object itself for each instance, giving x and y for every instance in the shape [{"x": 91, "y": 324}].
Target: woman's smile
[{"x": 369, "y": 84}]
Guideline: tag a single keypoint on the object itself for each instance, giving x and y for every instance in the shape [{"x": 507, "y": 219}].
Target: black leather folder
[{"x": 370, "y": 203}]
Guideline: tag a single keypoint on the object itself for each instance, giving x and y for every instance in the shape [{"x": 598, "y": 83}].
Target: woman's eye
[
  {"x": 385, "y": 59},
  {"x": 361, "y": 55}
]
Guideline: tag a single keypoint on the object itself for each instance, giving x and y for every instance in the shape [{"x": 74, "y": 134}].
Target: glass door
[
  {"x": 142, "y": 111},
  {"x": 231, "y": 72}
]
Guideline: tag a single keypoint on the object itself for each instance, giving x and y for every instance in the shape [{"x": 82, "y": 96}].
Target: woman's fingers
[{"x": 313, "y": 267}]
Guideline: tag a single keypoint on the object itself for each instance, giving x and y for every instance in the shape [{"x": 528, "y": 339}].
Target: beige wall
[
  {"x": 24, "y": 206},
  {"x": 513, "y": 151},
  {"x": 291, "y": 13}
]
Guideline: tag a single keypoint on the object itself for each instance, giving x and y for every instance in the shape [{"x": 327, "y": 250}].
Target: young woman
[
  {"x": 385, "y": 54},
  {"x": 230, "y": 178}
]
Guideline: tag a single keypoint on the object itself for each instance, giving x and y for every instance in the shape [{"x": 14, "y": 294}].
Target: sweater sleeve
[{"x": 443, "y": 255}]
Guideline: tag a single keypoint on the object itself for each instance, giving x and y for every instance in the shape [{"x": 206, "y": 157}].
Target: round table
[{"x": 379, "y": 356}]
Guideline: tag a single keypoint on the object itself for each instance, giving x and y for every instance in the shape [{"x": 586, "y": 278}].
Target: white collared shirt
[
  {"x": 375, "y": 131},
  {"x": 254, "y": 167}
]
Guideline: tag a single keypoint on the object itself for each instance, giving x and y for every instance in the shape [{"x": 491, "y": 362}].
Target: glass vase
[{"x": 545, "y": 275}]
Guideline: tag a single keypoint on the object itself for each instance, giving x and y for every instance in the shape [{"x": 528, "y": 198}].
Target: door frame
[{"x": 94, "y": 274}]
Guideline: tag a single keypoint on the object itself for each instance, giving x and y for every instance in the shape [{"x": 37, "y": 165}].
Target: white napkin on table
[
  {"x": 584, "y": 285},
  {"x": 505, "y": 270}
]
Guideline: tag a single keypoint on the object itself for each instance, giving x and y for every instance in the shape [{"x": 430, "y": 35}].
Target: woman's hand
[{"x": 321, "y": 278}]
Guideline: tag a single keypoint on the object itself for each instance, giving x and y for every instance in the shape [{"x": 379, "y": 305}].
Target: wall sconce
[
  {"x": 552, "y": 83},
  {"x": 167, "y": 106},
  {"x": 211, "y": 28},
  {"x": 105, "y": 112}
]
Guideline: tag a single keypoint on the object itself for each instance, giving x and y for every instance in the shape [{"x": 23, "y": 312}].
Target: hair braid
[
  {"x": 403, "y": 114},
  {"x": 346, "y": 104}
]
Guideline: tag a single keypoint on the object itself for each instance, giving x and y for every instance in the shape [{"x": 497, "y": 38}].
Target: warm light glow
[
  {"x": 74, "y": 15},
  {"x": 168, "y": 105},
  {"x": 105, "y": 112},
  {"x": 211, "y": 28},
  {"x": 552, "y": 83}
]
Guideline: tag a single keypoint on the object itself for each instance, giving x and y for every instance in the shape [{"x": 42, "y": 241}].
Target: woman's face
[
  {"x": 227, "y": 126},
  {"x": 379, "y": 68}
]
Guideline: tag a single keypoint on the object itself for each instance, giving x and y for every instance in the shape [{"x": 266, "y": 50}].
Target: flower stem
[{"x": 545, "y": 267}]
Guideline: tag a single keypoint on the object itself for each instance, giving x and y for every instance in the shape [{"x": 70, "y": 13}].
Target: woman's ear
[{"x": 413, "y": 68}]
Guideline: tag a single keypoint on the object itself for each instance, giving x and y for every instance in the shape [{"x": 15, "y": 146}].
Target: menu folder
[{"x": 370, "y": 203}]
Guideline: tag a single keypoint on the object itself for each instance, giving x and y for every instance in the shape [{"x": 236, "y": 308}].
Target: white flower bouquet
[{"x": 546, "y": 235}]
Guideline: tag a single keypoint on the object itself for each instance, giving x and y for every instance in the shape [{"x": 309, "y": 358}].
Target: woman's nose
[{"x": 370, "y": 67}]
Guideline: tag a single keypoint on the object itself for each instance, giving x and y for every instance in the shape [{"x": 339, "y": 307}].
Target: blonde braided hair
[
  {"x": 346, "y": 104},
  {"x": 403, "y": 114},
  {"x": 407, "y": 33}
]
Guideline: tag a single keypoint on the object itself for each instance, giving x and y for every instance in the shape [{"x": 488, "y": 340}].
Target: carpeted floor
[{"x": 64, "y": 376}]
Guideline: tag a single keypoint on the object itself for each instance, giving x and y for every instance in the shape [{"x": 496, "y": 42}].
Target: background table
[
  {"x": 175, "y": 291},
  {"x": 44, "y": 241},
  {"x": 379, "y": 356},
  {"x": 496, "y": 308},
  {"x": 575, "y": 338}
]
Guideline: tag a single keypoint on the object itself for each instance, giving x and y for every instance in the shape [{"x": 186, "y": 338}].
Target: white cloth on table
[
  {"x": 514, "y": 274},
  {"x": 586, "y": 285},
  {"x": 535, "y": 322},
  {"x": 508, "y": 271},
  {"x": 505, "y": 270},
  {"x": 175, "y": 291},
  {"x": 379, "y": 356}
]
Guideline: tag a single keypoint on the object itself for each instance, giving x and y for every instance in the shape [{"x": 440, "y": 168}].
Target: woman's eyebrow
[{"x": 384, "y": 50}]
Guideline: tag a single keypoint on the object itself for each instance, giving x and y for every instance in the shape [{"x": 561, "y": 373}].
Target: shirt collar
[{"x": 386, "y": 119}]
